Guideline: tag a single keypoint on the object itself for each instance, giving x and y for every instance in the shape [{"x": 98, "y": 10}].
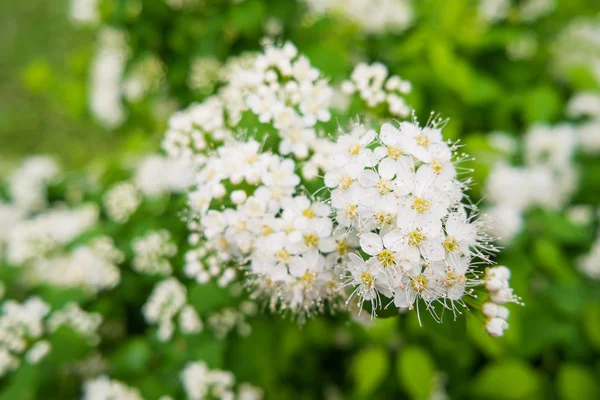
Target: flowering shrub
[{"x": 283, "y": 217}]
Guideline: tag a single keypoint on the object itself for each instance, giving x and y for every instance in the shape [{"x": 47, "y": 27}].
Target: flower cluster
[
  {"x": 103, "y": 388},
  {"x": 527, "y": 11},
  {"x": 152, "y": 251},
  {"x": 497, "y": 285},
  {"x": 156, "y": 175},
  {"x": 224, "y": 321},
  {"x": 23, "y": 328},
  {"x": 589, "y": 263},
  {"x": 375, "y": 86},
  {"x": 34, "y": 238},
  {"x": 167, "y": 301},
  {"x": 108, "y": 68},
  {"x": 121, "y": 201},
  {"x": 27, "y": 185},
  {"x": 200, "y": 382},
  {"x": 371, "y": 16},
  {"x": 548, "y": 178},
  {"x": 92, "y": 267},
  {"x": 399, "y": 192}
]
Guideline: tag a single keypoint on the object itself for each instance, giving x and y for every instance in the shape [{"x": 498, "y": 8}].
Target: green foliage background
[{"x": 458, "y": 67}]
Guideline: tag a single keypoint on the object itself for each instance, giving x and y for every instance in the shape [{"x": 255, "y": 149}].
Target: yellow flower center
[
  {"x": 308, "y": 213},
  {"x": 351, "y": 211},
  {"x": 251, "y": 159},
  {"x": 354, "y": 149},
  {"x": 421, "y": 205},
  {"x": 386, "y": 258},
  {"x": 415, "y": 238},
  {"x": 240, "y": 226},
  {"x": 383, "y": 218},
  {"x": 436, "y": 166},
  {"x": 384, "y": 186},
  {"x": 423, "y": 140},
  {"x": 366, "y": 279},
  {"x": 311, "y": 240},
  {"x": 419, "y": 283},
  {"x": 346, "y": 182},
  {"x": 266, "y": 230},
  {"x": 394, "y": 152},
  {"x": 283, "y": 256},
  {"x": 342, "y": 247},
  {"x": 451, "y": 244},
  {"x": 308, "y": 278}
]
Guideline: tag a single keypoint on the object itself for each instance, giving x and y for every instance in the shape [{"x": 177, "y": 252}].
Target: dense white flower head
[
  {"x": 152, "y": 253},
  {"x": 548, "y": 178},
  {"x": 104, "y": 388},
  {"x": 93, "y": 267},
  {"x": 27, "y": 184},
  {"x": 398, "y": 190},
  {"x": 376, "y": 86},
  {"x": 167, "y": 301},
  {"x": 200, "y": 382},
  {"x": 84, "y": 12},
  {"x": 33, "y": 238},
  {"x": 107, "y": 72},
  {"x": 121, "y": 200}
]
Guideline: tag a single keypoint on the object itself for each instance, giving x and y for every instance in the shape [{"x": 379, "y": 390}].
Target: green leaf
[
  {"x": 591, "y": 325},
  {"x": 541, "y": 104},
  {"x": 369, "y": 369},
  {"x": 551, "y": 259},
  {"x": 575, "y": 383},
  {"x": 416, "y": 372},
  {"x": 132, "y": 358},
  {"x": 509, "y": 380},
  {"x": 23, "y": 385}
]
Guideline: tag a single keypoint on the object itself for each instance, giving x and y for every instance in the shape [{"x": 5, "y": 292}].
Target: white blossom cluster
[
  {"x": 494, "y": 11},
  {"x": 27, "y": 184},
  {"x": 20, "y": 325},
  {"x": 104, "y": 388},
  {"x": 72, "y": 316},
  {"x": 204, "y": 73},
  {"x": 372, "y": 16},
  {"x": 203, "y": 266},
  {"x": 168, "y": 301},
  {"x": 548, "y": 178},
  {"x": 286, "y": 238},
  {"x": 145, "y": 76},
  {"x": 586, "y": 106},
  {"x": 200, "y": 382},
  {"x": 152, "y": 252},
  {"x": 84, "y": 12},
  {"x": 108, "y": 68},
  {"x": 122, "y": 200},
  {"x": 226, "y": 320},
  {"x": 156, "y": 175},
  {"x": 24, "y": 327},
  {"x": 93, "y": 267},
  {"x": 395, "y": 195},
  {"x": 589, "y": 263},
  {"x": 496, "y": 282},
  {"x": 578, "y": 47},
  {"x": 376, "y": 86},
  {"x": 280, "y": 87},
  {"x": 34, "y": 238},
  {"x": 398, "y": 190}
]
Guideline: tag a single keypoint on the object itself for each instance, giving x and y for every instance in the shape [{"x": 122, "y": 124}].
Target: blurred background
[{"x": 519, "y": 80}]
